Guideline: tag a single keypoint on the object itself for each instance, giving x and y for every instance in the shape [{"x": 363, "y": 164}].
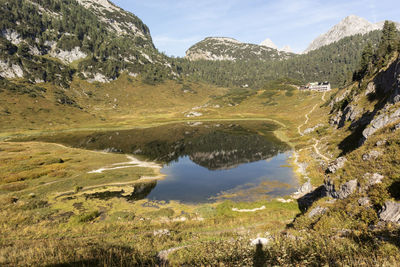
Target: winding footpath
[{"x": 316, "y": 142}]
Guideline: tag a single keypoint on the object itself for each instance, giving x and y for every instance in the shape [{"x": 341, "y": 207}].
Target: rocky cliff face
[
  {"x": 349, "y": 26},
  {"x": 383, "y": 90},
  {"x": 221, "y": 48}
]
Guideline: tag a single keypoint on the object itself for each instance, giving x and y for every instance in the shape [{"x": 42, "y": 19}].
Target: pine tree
[
  {"x": 367, "y": 58},
  {"x": 389, "y": 41}
]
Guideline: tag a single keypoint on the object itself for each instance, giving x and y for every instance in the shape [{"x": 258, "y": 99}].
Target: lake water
[{"x": 203, "y": 162}]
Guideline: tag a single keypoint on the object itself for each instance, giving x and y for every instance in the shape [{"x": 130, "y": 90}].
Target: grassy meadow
[{"x": 53, "y": 211}]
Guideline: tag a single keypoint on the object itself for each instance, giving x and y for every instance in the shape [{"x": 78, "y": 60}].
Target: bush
[{"x": 87, "y": 217}]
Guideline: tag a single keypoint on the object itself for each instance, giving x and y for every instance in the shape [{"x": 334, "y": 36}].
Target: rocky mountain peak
[
  {"x": 268, "y": 43},
  {"x": 349, "y": 26},
  {"x": 286, "y": 49}
]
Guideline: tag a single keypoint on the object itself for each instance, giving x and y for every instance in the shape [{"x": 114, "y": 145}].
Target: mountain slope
[
  {"x": 351, "y": 25},
  {"x": 335, "y": 63},
  {"x": 220, "y": 48},
  {"x": 51, "y": 40}
]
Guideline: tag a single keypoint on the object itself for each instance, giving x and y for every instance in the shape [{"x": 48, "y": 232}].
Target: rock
[
  {"x": 335, "y": 120},
  {"x": 14, "y": 37},
  {"x": 193, "y": 114},
  {"x": 390, "y": 212},
  {"x": 161, "y": 232},
  {"x": 317, "y": 211},
  {"x": 336, "y": 165},
  {"x": 372, "y": 155},
  {"x": 371, "y": 88},
  {"x": 372, "y": 179},
  {"x": 350, "y": 113},
  {"x": 97, "y": 77},
  {"x": 364, "y": 201},
  {"x": 345, "y": 190},
  {"x": 260, "y": 241},
  {"x": 381, "y": 143},
  {"x": 10, "y": 71},
  {"x": 379, "y": 122},
  {"x": 310, "y": 130},
  {"x": 68, "y": 56},
  {"x": 32, "y": 195},
  {"x": 307, "y": 200},
  {"x": 304, "y": 189}
]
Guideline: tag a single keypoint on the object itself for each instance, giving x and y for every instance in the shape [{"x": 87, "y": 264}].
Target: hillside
[
  {"x": 53, "y": 41},
  {"x": 219, "y": 48},
  {"x": 83, "y": 92},
  {"x": 335, "y": 63}
]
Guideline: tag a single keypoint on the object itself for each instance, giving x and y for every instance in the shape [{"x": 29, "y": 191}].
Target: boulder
[
  {"x": 347, "y": 189},
  {"x": 317, "y": 211},
  {"x": 372, "y": 155},
  {"x": 390, "y": 212},
  {"x": 336, "y": 165}
]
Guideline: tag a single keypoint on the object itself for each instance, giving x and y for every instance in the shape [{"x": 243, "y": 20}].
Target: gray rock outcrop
[
  {"x": 390, "y": 212},
  {"x": 336, "y": 165},
  {"x": 381, "y": 121},
  {"x": 305, "y": 188},
  {"x": 317, "y": 211},
  {"x": 345, "y": 191}
]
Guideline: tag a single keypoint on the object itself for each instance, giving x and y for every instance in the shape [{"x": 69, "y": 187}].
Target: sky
[{"x": 176, "y": 25}]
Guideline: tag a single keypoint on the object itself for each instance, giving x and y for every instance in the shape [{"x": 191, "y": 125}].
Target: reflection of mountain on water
[
  {"x": 222, "y": 150},
  {"x": 214, "y": 146}
]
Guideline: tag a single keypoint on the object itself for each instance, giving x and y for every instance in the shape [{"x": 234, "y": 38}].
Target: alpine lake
[{"x": 201, "y": 162}]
